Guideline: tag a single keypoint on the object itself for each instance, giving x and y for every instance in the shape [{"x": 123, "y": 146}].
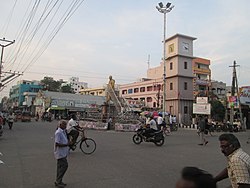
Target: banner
[
  {"x": 244, "y": 93},
  {"x": 233, "y": 102}
]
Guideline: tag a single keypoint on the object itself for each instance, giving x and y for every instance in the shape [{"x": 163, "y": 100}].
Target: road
[{"x": 117, "y": 162}]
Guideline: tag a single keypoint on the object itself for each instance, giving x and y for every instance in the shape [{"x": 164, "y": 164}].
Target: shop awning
[{"x": 57, "y": 108}]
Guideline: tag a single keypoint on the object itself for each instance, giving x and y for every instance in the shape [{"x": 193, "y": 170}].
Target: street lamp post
[{"x": 164, "y": 9}]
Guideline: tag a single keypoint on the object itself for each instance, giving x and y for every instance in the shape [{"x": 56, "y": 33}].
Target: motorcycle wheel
[
  {"x": 137, "y": 139},
  {"x": 160, "y": 142}
]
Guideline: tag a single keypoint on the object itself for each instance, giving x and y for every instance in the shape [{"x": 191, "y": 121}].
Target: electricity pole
[
  {"x": 3, "y": 43},
  {"x": 233, "y": 89}
]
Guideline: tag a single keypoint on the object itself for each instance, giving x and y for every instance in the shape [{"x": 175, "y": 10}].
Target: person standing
[
  {"x": 238, "y": 168},
  {"x": 11, "y": 118},
  {"x": 109, "y": 123},
  {"x": 202, "y": 126},
  {"x": 61, "y": 152}
]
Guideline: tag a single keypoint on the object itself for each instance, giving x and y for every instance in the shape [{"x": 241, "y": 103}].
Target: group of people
[{"x": 237, "y": 170}]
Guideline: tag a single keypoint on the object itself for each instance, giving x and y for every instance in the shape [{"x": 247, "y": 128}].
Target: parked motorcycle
[{"x": 156, "y": 137}]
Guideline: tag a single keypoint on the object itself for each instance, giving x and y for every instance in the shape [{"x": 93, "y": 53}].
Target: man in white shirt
[
  {"x": 61, "y": 151},
  {"x": 73, "y": 129}
]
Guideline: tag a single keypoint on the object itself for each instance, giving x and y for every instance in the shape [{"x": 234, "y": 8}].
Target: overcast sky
[{"x": 112, "y": 37}]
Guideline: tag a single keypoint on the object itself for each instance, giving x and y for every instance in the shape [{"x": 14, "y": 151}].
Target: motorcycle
[{"x": 156, "y": 137}]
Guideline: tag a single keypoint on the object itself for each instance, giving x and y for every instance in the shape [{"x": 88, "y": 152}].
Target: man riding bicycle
[{"x": 73, "y": 130}]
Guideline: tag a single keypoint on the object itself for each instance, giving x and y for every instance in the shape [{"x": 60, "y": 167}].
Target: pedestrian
[
  {"x": 201, "y": 126},
  {"x": 11, "y": 118},
  {"x": 61, "y": 152},
  {"x": 193, "y": 177},
  {"x": 109, "y": 123},
  {"x": 238, "y": 168}
]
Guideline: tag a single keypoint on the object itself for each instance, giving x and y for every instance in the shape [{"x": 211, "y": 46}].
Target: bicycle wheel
[
  {"x": 88, "y": 146},
  {"x": 166, "y": 132}
]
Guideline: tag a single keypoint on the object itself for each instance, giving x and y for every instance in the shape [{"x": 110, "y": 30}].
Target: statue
[{"x": 111, "y": 84}]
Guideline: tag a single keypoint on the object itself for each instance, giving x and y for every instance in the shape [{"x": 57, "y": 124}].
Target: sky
[{"x": 119, "y": 38}]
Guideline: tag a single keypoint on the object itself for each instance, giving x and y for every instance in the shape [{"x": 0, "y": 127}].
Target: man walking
[
  {"x": 202, "y": 126},
  {"x": 238, "y": 168},
  {"x": 61, "y": 151}
]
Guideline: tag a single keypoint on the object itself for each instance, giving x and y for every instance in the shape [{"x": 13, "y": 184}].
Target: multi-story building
[
  {"x": 219, "y": 89},
  {"x": 179, "y": 80},
  {"x": 100, "y": 91},
  {"x": 147, "y": 91},
  {"x": 76, "y": 85},
  {"x": 202, "y": 76},
  {"x": 22, "y": 89}
]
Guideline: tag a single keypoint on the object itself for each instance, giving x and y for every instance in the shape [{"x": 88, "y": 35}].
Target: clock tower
[{"x": 179, "y": 77}]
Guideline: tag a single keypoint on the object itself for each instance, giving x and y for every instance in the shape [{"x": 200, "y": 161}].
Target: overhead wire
[
  {"x": 18, "y": 34},
  {"x": 26, "y": 36},
  {"x": 25, "y": 31},
  {"x": 56, "y": 29},
  {"x": 33, "y": 33}
]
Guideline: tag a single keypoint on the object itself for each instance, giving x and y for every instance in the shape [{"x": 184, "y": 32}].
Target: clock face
[{"x": 185, "y": 46}]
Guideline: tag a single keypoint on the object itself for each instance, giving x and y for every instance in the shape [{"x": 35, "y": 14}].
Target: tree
[
  {"x": 50, "y": 84},
  {"x": 66, "y": 89},
  {"x": 217, "y": 110}
]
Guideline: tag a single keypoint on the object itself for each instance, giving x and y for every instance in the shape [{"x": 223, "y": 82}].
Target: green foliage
[
  {"x": 66, "y": 89},
  {"x": 217, "y": 110},
  {"x": 50, "y": 84}
]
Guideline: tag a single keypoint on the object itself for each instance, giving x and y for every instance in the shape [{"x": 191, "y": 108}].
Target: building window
[
  {"x": 185, "y": 85},
  {"x": 185, "y": 109},
  {"x": 171, "y": 86},
  {"x": 149, "y": 88},
  {"x": 136, "y": 90},
  {"x": 130, "y": 91},
  {"x": 142, "y": 89},
  {"x": 149, "y": 99},
  {"x": 124, "y": 91},
  {"x": 171, "y": 66},
  {"x": 199, "y": 66},
  {"x": 185, "y": 65}
]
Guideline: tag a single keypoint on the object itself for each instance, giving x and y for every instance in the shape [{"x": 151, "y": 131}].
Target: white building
[{"x": 76, "y": 85}]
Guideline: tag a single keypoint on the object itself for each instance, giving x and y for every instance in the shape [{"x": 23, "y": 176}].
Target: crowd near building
[{"x": 187, "y": 77}]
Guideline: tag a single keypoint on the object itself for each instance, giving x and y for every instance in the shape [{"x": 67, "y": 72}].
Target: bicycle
[
  {"x": 87, "y": 145},
  {"x": 166, "y": 130}
]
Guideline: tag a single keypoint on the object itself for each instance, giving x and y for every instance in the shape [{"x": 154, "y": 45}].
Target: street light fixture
[{"x": 164, "y": 9}]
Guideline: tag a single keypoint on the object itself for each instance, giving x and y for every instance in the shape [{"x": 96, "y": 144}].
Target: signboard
[
  {"x": 245, "y": 95},
  {"x": 202, "y": 100},
  {"x": 233, "y": 102},
  {"x": 202, "y": 108}
]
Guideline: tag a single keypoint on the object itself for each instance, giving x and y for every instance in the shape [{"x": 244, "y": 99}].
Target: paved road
[{"x": 117, "y": 162}]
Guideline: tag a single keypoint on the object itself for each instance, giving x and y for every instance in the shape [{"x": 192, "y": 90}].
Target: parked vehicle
[{"x": 156, "y": 137}]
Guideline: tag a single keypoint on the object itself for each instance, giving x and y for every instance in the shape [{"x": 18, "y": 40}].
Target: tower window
[
  {"x": 171, "y": 66},
  {"x": 185, "y": 65},
  {"x": 185, "y": 85},
  {"x": 171, "y": 86}
]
